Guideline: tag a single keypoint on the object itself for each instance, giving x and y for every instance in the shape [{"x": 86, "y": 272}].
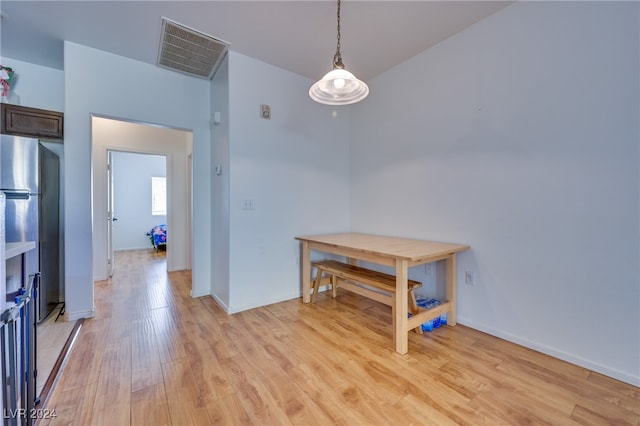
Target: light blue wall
[
  {"x": 295, "y": 167},
  {"x": 132, "y": 175},
  {"x": 37, "y": 86},
  {"x": 97, "y": 82},
  {"x": 220, "y": 239},
  {"x": 519, "y": 136}
]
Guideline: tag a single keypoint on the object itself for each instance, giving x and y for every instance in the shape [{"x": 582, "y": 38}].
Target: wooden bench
[{"x": 375, "y": 285}]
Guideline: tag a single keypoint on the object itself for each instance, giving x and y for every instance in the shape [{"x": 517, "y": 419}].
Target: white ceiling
[{"x": 296, "y": 35}]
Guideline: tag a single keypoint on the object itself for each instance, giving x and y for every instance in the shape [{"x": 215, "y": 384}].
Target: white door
[{"x": 111, "y": 219}]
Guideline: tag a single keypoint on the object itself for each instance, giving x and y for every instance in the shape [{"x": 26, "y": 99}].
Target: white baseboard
[
  {"x": 198, "y": 294},
  {"x": 236, "y": 309},
  {"x": 571, "y": 358},
  {"x": 72, "y": 316},
  {"x": 220, "y": 302},
  {"x": 149, "y": 246}
]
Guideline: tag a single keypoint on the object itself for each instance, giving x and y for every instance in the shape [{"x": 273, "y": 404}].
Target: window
[{"x": 159, "y": 196}]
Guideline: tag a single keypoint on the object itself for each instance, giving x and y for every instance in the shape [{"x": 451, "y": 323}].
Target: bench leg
[
  {"x": 413, "y": 308},
  {"x": 334, "y": 286},
  {"x": 316, "y": 285}
]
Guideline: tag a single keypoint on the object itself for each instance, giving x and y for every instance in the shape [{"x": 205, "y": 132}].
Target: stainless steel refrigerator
[{"x": 30, "y": 179}]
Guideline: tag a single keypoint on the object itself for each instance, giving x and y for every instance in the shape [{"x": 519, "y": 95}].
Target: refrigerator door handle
[{"x": 17, "y": 194}]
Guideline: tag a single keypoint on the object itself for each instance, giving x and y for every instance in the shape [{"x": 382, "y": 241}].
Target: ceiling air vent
[{"x": 189, "y": 51}]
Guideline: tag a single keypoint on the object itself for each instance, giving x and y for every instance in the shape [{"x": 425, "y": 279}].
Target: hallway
[{"x": 121, "y": 383}]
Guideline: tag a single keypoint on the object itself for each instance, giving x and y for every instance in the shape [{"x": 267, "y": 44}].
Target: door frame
[
  {"x": 111, "y": 208},
  {"x": 176, "y": 146},
  {"x": 111, "y": 264}
]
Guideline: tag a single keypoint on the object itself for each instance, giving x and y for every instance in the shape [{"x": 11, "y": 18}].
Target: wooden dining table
[{"x": 398, "y": 253}]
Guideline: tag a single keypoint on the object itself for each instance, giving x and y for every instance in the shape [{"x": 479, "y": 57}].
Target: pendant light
[{"x": 338, "y": 86}]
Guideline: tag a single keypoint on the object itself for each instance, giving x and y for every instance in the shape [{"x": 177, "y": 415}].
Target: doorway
[
  {"x": 137, "y": 203},
  {"x": 175, "y": 145}
]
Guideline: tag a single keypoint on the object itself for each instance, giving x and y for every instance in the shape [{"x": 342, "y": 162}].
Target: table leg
[
  {"x": 400, "y": 330},
  {"x": 451, "y": 288},
  {"x": 306, "y": 272}
]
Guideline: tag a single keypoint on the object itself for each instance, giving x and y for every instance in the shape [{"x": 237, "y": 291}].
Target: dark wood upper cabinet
[{"x": 34, "y": 122}]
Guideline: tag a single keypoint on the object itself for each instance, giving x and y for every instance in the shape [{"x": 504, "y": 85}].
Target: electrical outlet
[
  {"x": 428, "y": 269},
  {"x": 248, "y": 204},
  {"x": 469, "y": 277}
]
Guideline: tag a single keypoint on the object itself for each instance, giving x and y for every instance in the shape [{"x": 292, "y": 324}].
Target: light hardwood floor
[
  {"x": 52, "y": 336},
  {"x": 153, "y": 355}
]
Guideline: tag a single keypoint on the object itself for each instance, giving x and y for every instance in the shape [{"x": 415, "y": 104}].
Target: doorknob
[{"x": 115, "y": 219}]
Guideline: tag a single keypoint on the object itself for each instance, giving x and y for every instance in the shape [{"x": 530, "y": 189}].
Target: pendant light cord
[{"x": 337, "y": 58}]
